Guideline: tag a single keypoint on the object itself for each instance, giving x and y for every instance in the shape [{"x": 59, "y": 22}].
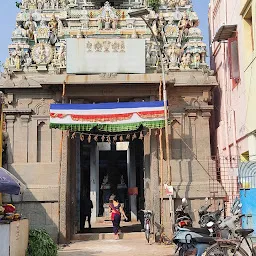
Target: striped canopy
[{"x": 107, "y": 117}]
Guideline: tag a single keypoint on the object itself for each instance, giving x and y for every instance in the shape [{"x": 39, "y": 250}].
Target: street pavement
[{"x": 136, "y": 247}]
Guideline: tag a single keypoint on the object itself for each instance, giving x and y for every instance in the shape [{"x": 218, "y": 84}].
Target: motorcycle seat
[
  {"x": 244, "y": 232},
  {"x": 204, "y": 240},
  {"x": 200, "y": 230}
]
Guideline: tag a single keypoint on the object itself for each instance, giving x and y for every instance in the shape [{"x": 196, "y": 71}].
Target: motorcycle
[
  {"x": 206, "y": 216},
  {"x": 194, "y": 241},
  {"x": 182, "y": 219}
]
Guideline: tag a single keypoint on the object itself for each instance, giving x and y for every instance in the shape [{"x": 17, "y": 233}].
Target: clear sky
[{"x": 8, "y": 12}]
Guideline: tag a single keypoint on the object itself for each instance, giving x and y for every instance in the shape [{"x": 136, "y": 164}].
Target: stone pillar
[
  {"x": 63, "y": 190},
  {"x": 24, "y": 132},
  {"x": 147, "y": 190},
  {"x": 203, "y": 135},
  {"x": 10, "y": 119},
  {"x": 132, "y": 180},
  {"x": 154, "y": 174},
  {"x": 32, "y": 156},
  {"x": 94, "y": 179},
  {"x": 78, "y": 181},
  {"x": 192, "y": 117}
]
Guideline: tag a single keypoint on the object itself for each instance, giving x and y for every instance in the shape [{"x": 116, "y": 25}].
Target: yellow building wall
[{"x": 248, "y": 64}]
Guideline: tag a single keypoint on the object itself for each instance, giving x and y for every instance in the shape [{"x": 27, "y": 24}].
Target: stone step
[{"x": 107, "y": 236}]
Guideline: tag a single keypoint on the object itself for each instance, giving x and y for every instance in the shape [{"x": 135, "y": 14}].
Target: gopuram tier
[{"x": 42, "y": 27}]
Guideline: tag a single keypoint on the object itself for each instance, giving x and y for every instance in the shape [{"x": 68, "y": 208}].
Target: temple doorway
[{"x": 106, "y": 169}]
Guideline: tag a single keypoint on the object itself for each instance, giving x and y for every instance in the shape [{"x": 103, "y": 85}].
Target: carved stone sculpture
[
  {"x": 53, "y": 24},
  {"x": 30, "y": 26},
  {"x": 63, "y": 4},
  {"x": 16, "y": 57},
  {"x": 108, "y": 16},
  {"x": 188, "y": 61},
  {"x": 196, "y": 60},
  {"x": 172, "y": 3},
  {"x": 62, "y": 55},
  {"x": 85, "y": 19},
  {"x": 28, "y": 61},
  {"x": 195, "y": 32},
  {"x": 184, "y": 26},
  {"x": 99, "y": 23},
  {"x": 40, "y": 4},
  {"x": 25, "y": 4},
  {"x": 46, "y": 4},
  {"x": 185, "y": 61},
  {"x": 183, "y": 3},
  {"x": 17, "y": 62},
  {"x": 19, "y": 31},
  {"x": 173, "y": 52},
  {"x": 53, "y": 30},
  {"x": 42, "y": 53}
]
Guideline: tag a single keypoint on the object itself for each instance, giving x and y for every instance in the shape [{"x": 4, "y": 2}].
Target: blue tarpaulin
[{"x": 9, "y": 184}]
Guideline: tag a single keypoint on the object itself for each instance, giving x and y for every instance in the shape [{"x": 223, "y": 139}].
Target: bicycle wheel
[
  {"x": 147, "y": 232},
  {"x": 225, "y": 248}
]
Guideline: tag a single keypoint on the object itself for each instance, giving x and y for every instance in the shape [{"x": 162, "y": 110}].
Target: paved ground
[{"x": 138, "y": 247}]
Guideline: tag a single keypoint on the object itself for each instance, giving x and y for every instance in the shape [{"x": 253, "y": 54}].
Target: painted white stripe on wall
[{"x": 105, "y": 111}]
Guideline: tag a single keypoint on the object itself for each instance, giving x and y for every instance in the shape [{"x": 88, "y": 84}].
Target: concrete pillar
[
  {"x": 147, "y": 191},
  {"x": 154, "y": 174},
  {"x": 10, "y": 119},
  {"x": 63, "y": 190},
  {"x": 94, "y": 179},
  {"x": 252, "y": 147},
  {"x": 131, "y": 166}
]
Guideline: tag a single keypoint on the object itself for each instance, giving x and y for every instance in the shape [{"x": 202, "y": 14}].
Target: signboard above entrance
[{"x": 88, "y": 56}]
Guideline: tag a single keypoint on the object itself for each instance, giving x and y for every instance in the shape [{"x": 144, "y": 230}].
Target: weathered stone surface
[{"x": 41, "y": 215}]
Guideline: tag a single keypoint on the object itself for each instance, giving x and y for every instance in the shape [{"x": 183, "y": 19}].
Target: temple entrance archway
[{"x": 102, "y": 169}]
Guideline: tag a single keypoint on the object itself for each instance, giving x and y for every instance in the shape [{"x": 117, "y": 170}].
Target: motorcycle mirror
[
  {"x": 206, "y": 200},
  {"x": 184, "y": 201}
]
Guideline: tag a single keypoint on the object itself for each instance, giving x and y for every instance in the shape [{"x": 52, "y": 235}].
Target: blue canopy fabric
[{"x": 9, "y": 184}]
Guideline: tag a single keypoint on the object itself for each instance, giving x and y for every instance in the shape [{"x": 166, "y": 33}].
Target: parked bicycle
[
  {"x": 233, "y": 247},
  {"x": 147, "y": 223}
]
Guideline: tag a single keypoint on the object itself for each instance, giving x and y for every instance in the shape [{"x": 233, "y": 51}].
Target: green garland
[
  {"x": 109, "y": 127},
  {"x": 40, "y": 244}
]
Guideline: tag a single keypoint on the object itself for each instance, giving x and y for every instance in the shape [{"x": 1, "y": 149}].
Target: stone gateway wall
[
  {"x": 33, "y": 155},
  {"x": 35, "y": 76}
]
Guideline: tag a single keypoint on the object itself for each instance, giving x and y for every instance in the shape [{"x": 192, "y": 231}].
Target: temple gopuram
[{"x": 84, "y": 110}]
